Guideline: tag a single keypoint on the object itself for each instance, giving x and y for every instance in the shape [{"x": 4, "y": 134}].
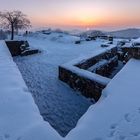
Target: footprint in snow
[
  {"x": 113, "y": 126},
  {"x": 19, "y": 138},
  {"x": 25, "y": 89},
  {"x": 6, "y": 136},
  {"x": 122, "y": 137},
  {"x": 135, "y": 134},
  {"x": 112, "y": 133},
  {"x": 113, "y": 130},
  {"x": 127, "y": 117},
  {"x": 1, "y": 138},
  {"x": 139, "y": 110},
  {"x": 98, "y": 138}
]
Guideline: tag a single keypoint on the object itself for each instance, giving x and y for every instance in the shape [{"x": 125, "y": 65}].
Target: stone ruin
[
  {"x": 77, "y": 75},
  {"x": 90, "y": 75},
  {"x": 21, "y": 48}
]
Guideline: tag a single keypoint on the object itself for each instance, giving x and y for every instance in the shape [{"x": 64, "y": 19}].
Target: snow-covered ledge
[
  {"x": 19, "y": 116},
  {"x": 117, "y": 115}
]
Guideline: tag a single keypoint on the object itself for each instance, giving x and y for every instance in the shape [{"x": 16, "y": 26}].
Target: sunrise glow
[{"x": 104, "y": 14}]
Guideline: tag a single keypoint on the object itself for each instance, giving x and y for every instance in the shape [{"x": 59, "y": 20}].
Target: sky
[{"x": 78, "y": 14}]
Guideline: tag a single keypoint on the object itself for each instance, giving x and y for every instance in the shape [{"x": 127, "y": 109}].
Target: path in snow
[{"x": 58, "y": 104}]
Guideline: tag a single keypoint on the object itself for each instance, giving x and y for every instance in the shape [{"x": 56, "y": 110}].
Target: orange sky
[{"x": 104, "y": 14}]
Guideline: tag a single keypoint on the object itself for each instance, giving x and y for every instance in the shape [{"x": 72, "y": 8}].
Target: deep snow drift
[
  {"x": 60, "y": 105},
  {"x": 19, "y": 116},
  {"x": 117, "y": 115}
]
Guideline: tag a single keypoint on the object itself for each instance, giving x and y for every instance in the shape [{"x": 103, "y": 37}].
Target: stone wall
[
  {"x": 21, "y": 48},
  {"x": 131, "y": 52},
  {"x": 93, "y": 60},
  {"x": 14, "y": 47},
  {"x": 89, "y": 87},
  {"x": 107, "y": 69}
]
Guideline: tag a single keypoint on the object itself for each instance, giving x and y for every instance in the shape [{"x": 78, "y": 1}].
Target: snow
[
  {"x": 117, "y": 115},
  {"x": 116, "y": 69},
  {"x": 58, "y": 37},
  {"x": 84, "y": 73},
  {"x": 87, "y": 74},
  {"x": 133, "y": 43},
  {"x": 67, "y": 39},
  {"x": 127, "y": 45},
  {"x": 104, "y": 62},
  {"x": 19, "y": 116},
  {"x": 89, "y": 54},
  {"x": 136, "y": 42},
  {"x": 56, "y": 101},
  {"x": 106, "y": 44},
  {"x": 97, "y": 65}
]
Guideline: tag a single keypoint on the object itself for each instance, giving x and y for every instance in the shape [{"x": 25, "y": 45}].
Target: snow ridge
[{"x": 19, "y": 116}]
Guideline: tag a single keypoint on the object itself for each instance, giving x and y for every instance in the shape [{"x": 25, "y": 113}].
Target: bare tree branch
[{"x": 14, "y": 20}]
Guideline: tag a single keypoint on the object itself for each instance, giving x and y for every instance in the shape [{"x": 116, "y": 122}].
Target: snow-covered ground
[
  {"x": 19, "y": 116},
  {"x": 116, "y": 116},
  {"x": 59, "y": 105}
]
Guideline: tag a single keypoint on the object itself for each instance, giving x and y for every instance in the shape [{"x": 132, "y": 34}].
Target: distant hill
[
  {"x": 92, "y": 33},
  {"x": 127, "y": 33}
]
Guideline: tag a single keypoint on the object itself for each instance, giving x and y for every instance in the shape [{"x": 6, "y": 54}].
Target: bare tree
[{"x": 13, "y": 21}]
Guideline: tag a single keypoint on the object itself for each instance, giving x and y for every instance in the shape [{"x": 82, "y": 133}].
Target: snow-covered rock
[
  {"x": 57, "y": 37},
  {"x": 67, "y": 39},
  {"x": 136, "y": 42},
  {"x": 127, "y": 45}
]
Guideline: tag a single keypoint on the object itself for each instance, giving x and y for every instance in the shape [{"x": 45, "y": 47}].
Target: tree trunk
[{"x": 12, "y": 31}]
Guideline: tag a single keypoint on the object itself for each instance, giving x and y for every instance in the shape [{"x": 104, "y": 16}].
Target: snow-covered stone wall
[
  {"x": 76, "y": 75},
  {"x": 88, "y": 83},
  {"x": 85, "y": 63},
  {"x": 131, "y": 52}
]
